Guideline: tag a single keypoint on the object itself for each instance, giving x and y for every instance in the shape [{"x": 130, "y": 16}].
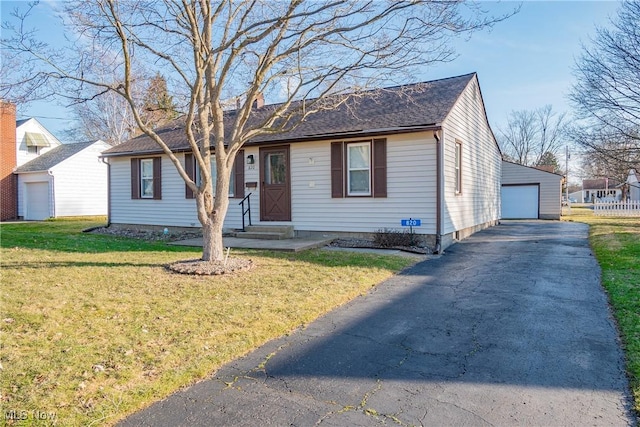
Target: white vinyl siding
[
  {"x": 550, "y": 186},
  {"x": 23, "y": 154},
  {"x": 479, "y": 201},
  {"x": 86, "y": 196},
  {"x": 77, "y": 185},
  {"x": 172, "y": 210},
  {"x": 411, "y": 192}
]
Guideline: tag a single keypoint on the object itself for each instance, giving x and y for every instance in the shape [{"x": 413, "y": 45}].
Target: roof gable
[
  {"x": 54, "y": 157},
  {"x": 390, "y": 110}
]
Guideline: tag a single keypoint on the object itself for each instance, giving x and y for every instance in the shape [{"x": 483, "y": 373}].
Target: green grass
[
  {"x": 616, "y": 245},
  {"x": 93, "y": 327}
]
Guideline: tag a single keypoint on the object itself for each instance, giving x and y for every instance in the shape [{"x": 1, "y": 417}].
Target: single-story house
[
  {"x": 530, "y": 193},
  {"x": 68, "y": 180},
  {"x": 600, "y": 189},
  {"x": 423, "y": 152}
]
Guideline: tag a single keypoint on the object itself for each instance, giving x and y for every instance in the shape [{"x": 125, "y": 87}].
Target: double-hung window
[
  {"x": 359, "y": 169},
  {"x": 146, "y": 178}
]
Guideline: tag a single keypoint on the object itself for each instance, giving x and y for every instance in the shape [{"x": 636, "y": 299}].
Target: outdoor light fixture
[{"x": 250, "y": 159}]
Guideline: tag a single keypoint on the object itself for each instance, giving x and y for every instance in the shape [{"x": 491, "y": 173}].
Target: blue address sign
[{"x": 411, "y": 222}]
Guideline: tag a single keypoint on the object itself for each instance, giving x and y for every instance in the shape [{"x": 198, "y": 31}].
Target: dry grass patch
[{"x": 92, "y": 334}]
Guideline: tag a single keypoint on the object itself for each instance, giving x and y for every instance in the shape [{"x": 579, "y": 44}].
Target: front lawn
[
  {"x": 616, "y": 245},
  {"x": 93, "y": 327}
]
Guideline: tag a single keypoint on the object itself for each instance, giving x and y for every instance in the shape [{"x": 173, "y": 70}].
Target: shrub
[{"x": 389, "y": 238}]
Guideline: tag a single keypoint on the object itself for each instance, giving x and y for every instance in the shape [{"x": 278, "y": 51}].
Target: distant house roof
[
  {"x": 599, "y": 184},
  {"x": 21, "y": 122},
  {"x": 51, "y": 158},
  {"x": 391, "y": 110}
]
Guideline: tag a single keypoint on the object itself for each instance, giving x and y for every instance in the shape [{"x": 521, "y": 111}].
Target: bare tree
[
  {"x": 321, "y": 52},
  {"x": 531, "y": 135},
  {"x": 606, "y": 97}
]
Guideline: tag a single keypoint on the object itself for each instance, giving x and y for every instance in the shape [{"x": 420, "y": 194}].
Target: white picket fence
[{"x": 628, "y": 208}]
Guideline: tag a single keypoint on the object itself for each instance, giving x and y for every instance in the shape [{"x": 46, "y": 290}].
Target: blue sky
[{"x": 524, "y": 62}]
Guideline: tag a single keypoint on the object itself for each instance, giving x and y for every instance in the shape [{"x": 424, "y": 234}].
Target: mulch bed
[{"x": 210, "y": 268}]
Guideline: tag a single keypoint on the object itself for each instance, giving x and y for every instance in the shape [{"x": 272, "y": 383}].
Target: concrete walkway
[
  {"x": 289, "y": 245},
  {"x": 509, "y": 327}
]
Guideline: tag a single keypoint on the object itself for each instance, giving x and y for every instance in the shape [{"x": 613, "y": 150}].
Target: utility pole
[{"x": 566, "y": 177}]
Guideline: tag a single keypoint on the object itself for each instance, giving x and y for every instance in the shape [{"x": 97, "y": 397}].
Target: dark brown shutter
[
  {"x": 135, "y": 178},
  {"x": 157, "y": 178},
  {"x": 379, "y": 168},
  {"x": 190, "y": 169},
  {"x": 238, "y": 170},
  {"x": 337, "y": 174}
]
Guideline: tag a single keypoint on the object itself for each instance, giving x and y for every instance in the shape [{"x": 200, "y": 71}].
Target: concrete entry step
[{"x": 267, "y": 232}]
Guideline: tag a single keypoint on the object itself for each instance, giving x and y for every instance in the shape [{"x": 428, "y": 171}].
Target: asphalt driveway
[{"x": 509, "y": 327}]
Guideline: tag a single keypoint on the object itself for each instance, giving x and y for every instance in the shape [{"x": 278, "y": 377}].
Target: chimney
[
  {"x": 8, "y": 161},
  {"x": 258, "y": 102}
]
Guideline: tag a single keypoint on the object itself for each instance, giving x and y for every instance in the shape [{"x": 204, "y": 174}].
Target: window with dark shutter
[
  {"x": 146, "y": 178},
  {"x": 135, "y": 178},
  {"x": 359, "y": 168},
  {"x": 190, "y": 169},
  {"x": 337, "y": 174},
  {"x": 379, "y": 168},
  {"x": 157, "y": 178},
  {"x": 238, "y": 171}
]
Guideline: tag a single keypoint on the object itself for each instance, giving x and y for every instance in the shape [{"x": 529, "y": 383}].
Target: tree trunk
[{"x": 212, "y": 245}]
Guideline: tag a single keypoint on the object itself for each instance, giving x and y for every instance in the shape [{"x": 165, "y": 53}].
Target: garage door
[
  {"x": 37, "y": 200},
  {"x": 520, "y": 201}
]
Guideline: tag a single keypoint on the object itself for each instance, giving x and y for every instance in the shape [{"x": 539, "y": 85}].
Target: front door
[{"x": 275, "y": 190}]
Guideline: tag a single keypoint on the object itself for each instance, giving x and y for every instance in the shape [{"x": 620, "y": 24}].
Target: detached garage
[
  {"x": 530, "y": 193},
  {"x": 68, "y": 180}
]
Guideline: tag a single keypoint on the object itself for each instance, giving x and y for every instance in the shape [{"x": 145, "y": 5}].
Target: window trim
[
  {"x": 136, "y": 178},
  {"x": 378, "y": 168},
  {"x": 349, "y": 169},
  {"x": 457, "y": 167}
]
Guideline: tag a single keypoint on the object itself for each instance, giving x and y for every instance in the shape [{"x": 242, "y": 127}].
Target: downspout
[
  {"x": 437, "y": 134},
  {"x": 106, "y": 162},
  {"x": 52, "y": 195}
]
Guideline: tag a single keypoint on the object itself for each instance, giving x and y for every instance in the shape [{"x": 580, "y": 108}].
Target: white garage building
[
  {"x": 530, "y": 193},
  {"x": 68, "y": 180}
]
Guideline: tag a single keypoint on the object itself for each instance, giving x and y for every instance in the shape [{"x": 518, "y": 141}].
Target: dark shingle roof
[
  {"x": 398, "y": 109},
  {"x": 51, "y": 158},
  {"x": 598, "y": 184}
]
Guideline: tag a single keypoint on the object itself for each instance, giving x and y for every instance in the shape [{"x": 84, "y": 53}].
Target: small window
[
  {"x": 458, "y": 168},
  {"x": 359, "y": 169},
  {"x": 32, "y": 149},
  {"x": 146, "y": 179},
  {"x": 232, "y": 178}
]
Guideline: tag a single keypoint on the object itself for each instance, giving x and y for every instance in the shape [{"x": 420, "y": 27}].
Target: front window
[
  {"x": 146, "y": 178},
  {"x": 359, "y": 169},
  {"x": 232, "y": 177}
]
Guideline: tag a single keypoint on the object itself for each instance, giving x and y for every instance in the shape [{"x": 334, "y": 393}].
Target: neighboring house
[
  {"x": 67, "y": 180},
  {"x": 633, "y": 192},
  {"x": 600, "y": 189},
  {"x": 530, "y": 193},
  {"x": 422, "y": 151},
  {"x": 32, "y": 140}
]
